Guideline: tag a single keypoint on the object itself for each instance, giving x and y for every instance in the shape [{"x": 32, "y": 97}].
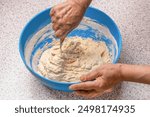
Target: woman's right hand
[{"x": 66, "y": 16}]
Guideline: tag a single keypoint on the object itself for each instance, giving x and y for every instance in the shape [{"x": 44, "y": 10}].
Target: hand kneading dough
[{"x": 78, "y": 57}]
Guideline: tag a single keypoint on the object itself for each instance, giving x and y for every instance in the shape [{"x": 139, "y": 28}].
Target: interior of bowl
[{"x": 38, "y": 35}]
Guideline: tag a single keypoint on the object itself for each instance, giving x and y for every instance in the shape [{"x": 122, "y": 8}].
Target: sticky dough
[{"x": 78, "y": 56}]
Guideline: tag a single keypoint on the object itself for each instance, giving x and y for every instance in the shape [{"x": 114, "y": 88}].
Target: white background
[{"x": 7, "y": 108}]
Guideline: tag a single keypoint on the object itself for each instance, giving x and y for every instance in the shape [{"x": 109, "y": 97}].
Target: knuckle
[
  {"x": 97, "y": 84},
  {"x": 58, "y": 16},
  {"x": 60, "y": 22}
]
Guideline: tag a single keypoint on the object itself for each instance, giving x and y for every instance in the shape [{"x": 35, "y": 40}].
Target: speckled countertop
[{"x": 132, "y": 17}]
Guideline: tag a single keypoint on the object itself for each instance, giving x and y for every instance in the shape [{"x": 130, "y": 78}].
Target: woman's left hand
[{"x": 99, "y": 81}]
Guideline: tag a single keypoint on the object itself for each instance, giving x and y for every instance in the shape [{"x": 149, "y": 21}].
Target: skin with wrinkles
[
  {"x": 98, "y": 81},
  {"x": 104, "y": 78},
  {"x": 67, "y": 15}
]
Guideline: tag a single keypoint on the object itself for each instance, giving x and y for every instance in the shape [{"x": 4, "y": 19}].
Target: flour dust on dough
[{"x": 78, "y": 56}]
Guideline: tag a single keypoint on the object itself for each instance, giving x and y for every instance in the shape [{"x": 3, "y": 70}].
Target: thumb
[{"x": 91, "y": 75}]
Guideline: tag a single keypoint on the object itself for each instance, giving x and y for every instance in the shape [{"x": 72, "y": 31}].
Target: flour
[
  {"x": 43, "y": 41},
  {"x": 78, "y": 56}
]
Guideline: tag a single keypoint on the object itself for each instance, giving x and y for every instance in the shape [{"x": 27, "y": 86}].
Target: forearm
[{"x": 135, "y": 73}]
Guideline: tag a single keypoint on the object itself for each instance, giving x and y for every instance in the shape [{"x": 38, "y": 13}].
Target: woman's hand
[
  {"x": 99, "y": 81},
  {"x": 66, "y": 16}
]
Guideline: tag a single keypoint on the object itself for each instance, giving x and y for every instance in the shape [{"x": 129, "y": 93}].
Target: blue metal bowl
[{"x": 42, "y": 19}]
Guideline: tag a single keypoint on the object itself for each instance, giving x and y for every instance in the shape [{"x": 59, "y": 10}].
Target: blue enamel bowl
[{"x": 43, "y": 18}]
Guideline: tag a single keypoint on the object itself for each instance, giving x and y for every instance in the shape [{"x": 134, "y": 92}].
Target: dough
[{"x": 77, "y": 57}]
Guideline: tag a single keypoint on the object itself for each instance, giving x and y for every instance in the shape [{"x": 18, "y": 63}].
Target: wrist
[
  {"x": 127, "y": 72},
  {"x": 120, "y": 73}
]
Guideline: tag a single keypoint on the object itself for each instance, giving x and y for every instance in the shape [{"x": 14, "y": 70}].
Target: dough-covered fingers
[
  {"x": 60, "y": 33},
  {"x": 66, "y": 16},
  {"x": 55, "y": 27},
  {"x": 63, "y": 34},
  {"x": 89, "y": 85},
  {"x": 62, "y": 38}
]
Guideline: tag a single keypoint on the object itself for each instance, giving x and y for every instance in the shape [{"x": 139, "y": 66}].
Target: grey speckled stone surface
[{"x": 132, "y": 17}]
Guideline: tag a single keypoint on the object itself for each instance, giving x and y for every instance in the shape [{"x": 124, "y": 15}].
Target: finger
[
  {"x": 89, "y": 85},
  {"x": 60, "y": 22},
  {"x": 67, "y": 30},
  {"x": 52, "y": 12},
  {"x": 83, "y": 93},
  {"x": 63, "y": 32},
  {"x": 59, "y": 33},
  {"x": 62, "y": 38},
  {"x": 54, "y": 19},
  {"x": 109, "y": 90},
  {"x": 91, "y": 76},
  {"x": 55, "y": 27},
  {"x": 58, "y": 16},
  {"x": 100, "y": 94},
  {"x": 104, "y": 84}
]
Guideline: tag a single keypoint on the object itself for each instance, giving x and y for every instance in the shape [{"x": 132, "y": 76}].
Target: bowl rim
[{"x": 51, "y": 80}]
